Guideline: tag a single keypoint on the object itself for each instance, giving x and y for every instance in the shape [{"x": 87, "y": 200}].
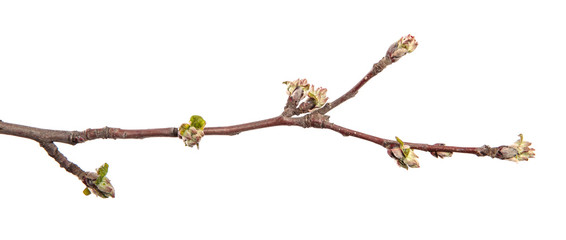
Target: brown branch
[
  {"x": 316, "y": 118},
  {"x": 74, "y": 137}
]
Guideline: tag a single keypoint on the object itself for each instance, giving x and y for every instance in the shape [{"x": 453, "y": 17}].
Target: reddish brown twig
[{"x": 386, "y": 143}]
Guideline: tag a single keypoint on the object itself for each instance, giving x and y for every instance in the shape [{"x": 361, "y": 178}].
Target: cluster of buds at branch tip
[
  {"x": 98, "y": 183},
  {"x": 399, "y": 49},
  {"x": 191, "y": 133},
  {"x": 316, "y": 96},
  {"x": 519, "y": 151},
  {"x": 405, "y": 156}
]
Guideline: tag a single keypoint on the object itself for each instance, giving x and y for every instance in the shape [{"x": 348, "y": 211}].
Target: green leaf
[
  {"x": 102, "y": 171},
  {"x": 401, "y": 143},
  {"x": 197, "y": 122},
  {"x": 406, "y": 151},
  {"x": 86, "y": 192},
  {"x": 183, "y": 128}
]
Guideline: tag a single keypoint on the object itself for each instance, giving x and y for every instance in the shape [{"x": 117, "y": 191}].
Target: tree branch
[{"x": 313, "y": 111}]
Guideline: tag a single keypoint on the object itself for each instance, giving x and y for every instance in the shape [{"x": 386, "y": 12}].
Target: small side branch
[
  {"x": 519, "y": 151},
  {"x": 53, "y": 152},
  {"x": 387, "y": 143},
  {"x": 394, "y": 53},
  {"x": 377, "y": 68}
]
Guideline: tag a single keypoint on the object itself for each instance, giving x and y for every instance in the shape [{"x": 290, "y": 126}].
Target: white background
[{"x": 484, "y": 72}]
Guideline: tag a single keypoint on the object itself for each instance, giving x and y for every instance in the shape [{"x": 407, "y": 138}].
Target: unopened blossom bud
[
  {"x": 299, "y": 83},
  {"x": 318, "y": 95},
  {"x": 408, "y": 43},
  {"x": 98, "y": 183},
  {"x": 105, "y": 189},
  {"x": 399, "y": 49},
  {"x": 404, "y": 155},
  {"x": 438, "y": 154},
  {"x": 519, "y": 151},
  {"x": 442, "y": 154},
  {"x": 103, "y": 183},
  {"x": 192, "y": 137}
]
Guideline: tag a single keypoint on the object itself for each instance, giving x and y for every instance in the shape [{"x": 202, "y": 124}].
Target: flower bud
[
  {"x": 437, "y": 154},
  {"x": 404, "y": 155},
  {"x": 318, "y": 95},
  {"x": 98, "y": 183},
  {"x": 192, "y": 132},
  {"x": 519, "y": 151},
  {"x": 192, "y": 136},
  {"x": 399, "y": 49},
  {"x": 105, "y": 189},
  {"x": 299, "y": 83},
  {"x": 408, "y": 43}
]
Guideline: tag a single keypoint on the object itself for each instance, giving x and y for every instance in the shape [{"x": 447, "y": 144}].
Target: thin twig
[
  {"x": 386, "y": 143},
  {"x": 377, "y": 68},
  {"x": 71, "y": 167}
]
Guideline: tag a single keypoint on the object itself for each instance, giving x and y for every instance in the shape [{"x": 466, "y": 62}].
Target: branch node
[
  {"x": 379, "y": 66},
  {"x": 76, "y": 137},
  {"x": 316, "y": 120},
  {"x": 486, "y": 150}
]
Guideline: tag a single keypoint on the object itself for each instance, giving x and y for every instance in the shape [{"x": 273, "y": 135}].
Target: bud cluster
[
  {"x": 316, "y": 96},
  {"x": 191, "y": 133},
  {"x": 98, "y": 183},
  {"x": 519, "y": 151},
  {"x": 399, "y": 49},
  {"x": 404, "y": 155}
]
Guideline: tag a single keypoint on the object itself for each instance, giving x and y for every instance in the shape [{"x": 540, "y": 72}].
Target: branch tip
[
  {"x": 399, "y": 49},
  {"x": 98, "y": 183},
  {"x": 518, "y": 151}
]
